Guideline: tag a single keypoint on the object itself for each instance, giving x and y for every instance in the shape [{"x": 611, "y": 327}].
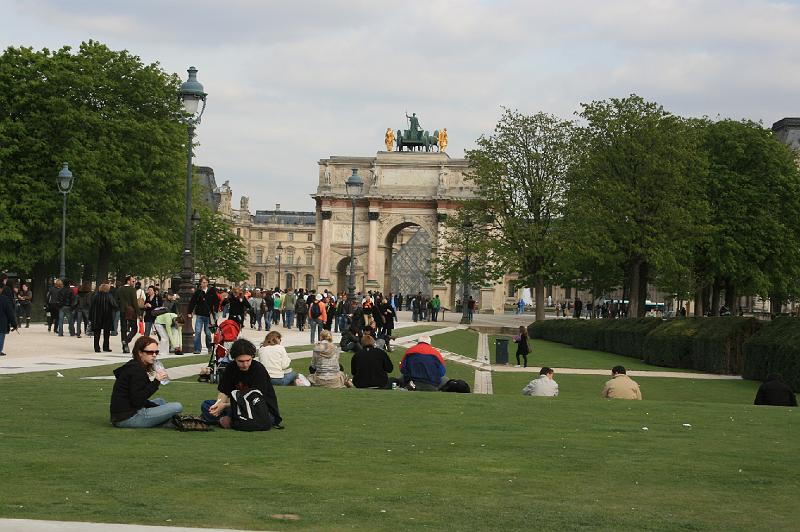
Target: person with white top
[
  {"x": 275, "y": 358},
  {"x": 544, "y": 386}
]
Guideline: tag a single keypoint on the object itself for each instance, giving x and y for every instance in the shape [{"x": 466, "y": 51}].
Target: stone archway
[{"x": 407, "y": 257}]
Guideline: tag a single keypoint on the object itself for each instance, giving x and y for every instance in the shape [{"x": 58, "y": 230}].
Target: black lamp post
[
  {"x": 465, "y": 317},
  {"x": 280, "y": 253},
  {"x": 354, "y": 186},
  {"x": 191, "y": 95},
  {"x": 65, "y": 182}
]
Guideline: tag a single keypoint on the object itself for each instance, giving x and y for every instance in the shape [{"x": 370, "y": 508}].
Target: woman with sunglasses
[{"x": 137, "y": 380}]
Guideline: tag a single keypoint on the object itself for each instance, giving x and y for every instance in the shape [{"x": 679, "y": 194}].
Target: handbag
[
  {"x": 190, "y": 424},
  {"x": 141, "y": 327}
]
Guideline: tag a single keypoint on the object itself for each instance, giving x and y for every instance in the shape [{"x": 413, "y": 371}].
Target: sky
[{"x": 290, "y": 83}]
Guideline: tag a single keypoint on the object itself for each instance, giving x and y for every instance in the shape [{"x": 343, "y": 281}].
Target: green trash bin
[{"x": 501, "y": 350}]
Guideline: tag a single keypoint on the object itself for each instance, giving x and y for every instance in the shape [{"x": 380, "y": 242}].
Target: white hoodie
[{"x": 544, "y": 386}]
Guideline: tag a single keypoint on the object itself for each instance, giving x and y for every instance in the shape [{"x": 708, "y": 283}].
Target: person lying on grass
[
  {"x": 544, "y": 386},
  {"x": 135, "y": 382},
  {"x": 243, "y": 376},
  {"x": 621, "y": 386}
]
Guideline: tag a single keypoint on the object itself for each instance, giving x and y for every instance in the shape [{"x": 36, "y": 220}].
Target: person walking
[
  {"x": 523, "y": 348},
  {"x": 24, "y": 298},
  {"x": 102, "y": 309},
  {"x": 152, "y": 301},
  {"x": 65, "y": 302},
  {"x": 203, "y": 303},
  {"x": 52, "y": 306},
  {"x": 129, "y": 311},
  {"x": 301, "y": 311},
  {"x": 317, "y": 317},
  {"x": 82, "y": 303},
  {"x": 8, "y": 320},
  {"x": 289, "y": 301},
  {"x": 388, "y": 316},
  {"x": 436, "y": 305}
]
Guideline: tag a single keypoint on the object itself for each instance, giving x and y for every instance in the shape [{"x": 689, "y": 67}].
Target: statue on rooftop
[{"x": 389, "y": 140}]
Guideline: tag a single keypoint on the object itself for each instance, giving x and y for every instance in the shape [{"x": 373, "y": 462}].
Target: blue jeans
[
  {"x": 148, "y": 325},
  {"x": 207, "y": 416},
  {"x": 200, "y": 323},
  {"x": 315, "y": 325},
  {"x": 289, "y": 318},
  {"x": 286, "y": 380},
  {"x": 115, "y": 323},
  {"x": 152, "y": 417},
  {"x": 80, "y": 317},
  {"x": 65, "y": 312},
  {"x": 268, "y": 320}
]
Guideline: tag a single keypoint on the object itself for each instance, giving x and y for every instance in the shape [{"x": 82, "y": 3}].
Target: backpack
[
  {"x": 455, "y": 385},
  {"x": 315, "y": 311},
  {"x": 249, "y": 411}
]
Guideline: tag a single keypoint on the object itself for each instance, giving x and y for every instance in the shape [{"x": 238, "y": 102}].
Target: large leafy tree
[
  {"x": 520, "y": 172},
  {"x": 752, "y": 176},
  {"x": 634, "y": 198},
  {"x": 117, "y": 122}
]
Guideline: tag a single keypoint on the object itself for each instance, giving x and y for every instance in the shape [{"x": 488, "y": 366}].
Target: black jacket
[
  {"x": 101, "y": 311},
  {"x": 389, "y": 315},
  {"x": 775, "y": 393},
  {"x": 371, "y": 367},
  {"x": 8, "y": 318},
  {"x": 131, "y": 392},
  {"x": 255, "y": 378},
  {"x": 202, "y": 303},
  {"x": 65, "y": 297}
]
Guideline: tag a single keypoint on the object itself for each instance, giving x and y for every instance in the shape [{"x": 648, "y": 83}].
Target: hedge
[
  {"x": 774, "y": 349},
  {"x": 706, "y": 344}
]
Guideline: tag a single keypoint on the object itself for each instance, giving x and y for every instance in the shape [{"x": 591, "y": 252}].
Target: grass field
[
  {"x": 372, "y": 460},
  {"x": 463, "y": 342}
]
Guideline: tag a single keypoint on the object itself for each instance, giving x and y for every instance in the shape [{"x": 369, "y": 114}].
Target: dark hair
[
  {"x": 128, "y": 278},
  {"x": 136, "y": 352},
  {"x": 545, "y": 371},
  {"x": 774, "y": 377},
  {"x": 619, "y": 370},
  {"x": 242, "y": 347}
]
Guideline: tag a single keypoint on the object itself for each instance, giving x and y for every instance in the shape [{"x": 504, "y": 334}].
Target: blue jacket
[{"x": 423, "y": 363}]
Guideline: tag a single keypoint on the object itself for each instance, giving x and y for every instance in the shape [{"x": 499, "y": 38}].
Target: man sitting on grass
[
  {"x": 774, "y": 392},
  {"x": 244, "y": 375},
  {"x": 544, "y": 386},
  {"x": 422, "y": 366},
  {"x": 621, "y": 386}
]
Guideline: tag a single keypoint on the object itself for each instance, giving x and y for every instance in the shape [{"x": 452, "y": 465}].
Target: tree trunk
[
  {"x": 39, "y": 278},
  {"x": 699, "y": 302},
  {"x": 730, "y": 297},
  {"x": 103, "y": 261},
  {"x": 715, "y": 294},
  {"x": 644, "y": 274},
  {"x": 539, "y": 298},
  {"x": 635, "y": 286}
]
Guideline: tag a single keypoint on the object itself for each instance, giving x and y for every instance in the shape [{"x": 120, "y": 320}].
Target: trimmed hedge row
[
  {"x": 713, "y": 345},
  {"x": 774, "y": 349}
]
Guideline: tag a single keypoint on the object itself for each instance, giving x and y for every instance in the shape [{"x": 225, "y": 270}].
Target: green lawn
[
  {"x": 556, "y": 355},
  {"x": 416, "y": 329},
  {"x": 464, "y": 342},
  {"x": 382, "y": 460}
]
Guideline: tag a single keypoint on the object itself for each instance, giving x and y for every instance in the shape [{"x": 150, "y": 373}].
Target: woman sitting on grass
[
  {"x": 325, "y": 361},
  {"x": 136, "y": 381},
  {"x": 275, "y": 358},
  {"x": 371, "y": 366}
]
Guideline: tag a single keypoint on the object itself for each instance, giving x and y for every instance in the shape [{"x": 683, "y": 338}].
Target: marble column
[
  {"x": 325, "y": 248},
  {"x": 372, "y": 250}
]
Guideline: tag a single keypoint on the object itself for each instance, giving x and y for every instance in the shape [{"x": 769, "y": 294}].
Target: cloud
[{"x": 290, "y": 83}]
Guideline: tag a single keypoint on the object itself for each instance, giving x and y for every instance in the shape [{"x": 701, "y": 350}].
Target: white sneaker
[{"x": 517, "y": 366}]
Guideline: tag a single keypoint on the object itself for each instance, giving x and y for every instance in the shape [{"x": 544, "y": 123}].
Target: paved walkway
[{"x": 32, "y": 525}]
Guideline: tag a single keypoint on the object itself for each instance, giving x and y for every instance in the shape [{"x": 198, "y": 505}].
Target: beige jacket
[{"x": 622, "y": 387}]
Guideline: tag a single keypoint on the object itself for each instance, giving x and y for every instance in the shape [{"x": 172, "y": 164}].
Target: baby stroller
[{"x": 224, "y": 335}]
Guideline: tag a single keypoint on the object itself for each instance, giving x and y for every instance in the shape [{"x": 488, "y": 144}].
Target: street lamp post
[
  {"x": 280, "y": 252},
  {"x": 191, "y": 95},
  {"x": 354, "y": 186},
  {"x": 65, "y": 182},
  {"x": 465, "y": 317}
]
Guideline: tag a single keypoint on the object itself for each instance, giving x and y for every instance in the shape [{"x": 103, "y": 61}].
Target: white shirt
[
  {"x": 275, "y": 359},
  {"x": 544, "y": 386}
]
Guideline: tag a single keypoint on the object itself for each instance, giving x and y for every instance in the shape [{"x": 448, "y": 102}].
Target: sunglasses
[{"x": 150, "y": 352}]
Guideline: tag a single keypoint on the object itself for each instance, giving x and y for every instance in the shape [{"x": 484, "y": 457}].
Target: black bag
[
  {"x": 315, "y": 311},
  {"x": 455, "y": 385},
  {"x": 249, "y": 411},
  {"x": 190, "y": 424},
  {"x": 158, "y": 311}
]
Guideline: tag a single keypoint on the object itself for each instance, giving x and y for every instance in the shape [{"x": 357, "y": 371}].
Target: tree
[
  {"x": 752, "y": 175},
  {"x": 634, "y": 195},
  {"x": 220, "y": 252},
  {"x": 520, "y": 173},
  {"x": 117, "y": 122}
]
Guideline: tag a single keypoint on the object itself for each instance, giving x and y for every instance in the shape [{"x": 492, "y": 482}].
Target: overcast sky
[{"x": 290, "y": 83}]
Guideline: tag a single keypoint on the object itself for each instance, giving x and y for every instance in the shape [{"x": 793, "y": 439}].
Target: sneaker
[
  {"x": 78, "y": 335},
  {"x": 125, "y": 348},
  {"x": 517, "y": 366},
  {"x": 197, "y": 352},
  {"x": 2, "y": 354}
]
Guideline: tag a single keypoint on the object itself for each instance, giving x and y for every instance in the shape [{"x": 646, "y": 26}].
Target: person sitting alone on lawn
[
  {"x": 544, "y": 386},
  {"x": 325, "y": 361},
  {"x": 135, "y": 382},
  {"x": 275, "y": 358},
  {"x": 371, "y": 366},
  {"x": 244, "y": 375},
  {"x": 621, "y": 386},
  {"x": 774, "y": 392},
  {"x": 422, "y": 366}
]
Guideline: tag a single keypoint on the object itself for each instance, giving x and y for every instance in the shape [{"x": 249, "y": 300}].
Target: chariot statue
[{"x": 415, "y": 138}]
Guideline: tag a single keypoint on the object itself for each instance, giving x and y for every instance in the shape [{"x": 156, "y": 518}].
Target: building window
[
  {"x": 290, "y": 257},
  {"x": 238, "y": 231},
  {"x": 261, "y": 235},
  {"x": 310, "y": 237},
  {"x": 291, "y": 236},
  {"x": 272, "y": 236},
  {"x": 259, "y": 256},
  {"x": 309, "y": 256},
  {"x": 259, "y": 280}
]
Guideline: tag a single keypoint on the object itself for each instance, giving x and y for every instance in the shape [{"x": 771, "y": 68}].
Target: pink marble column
[
  {"x": 372, "y": 250},
  {"x": 325, "y": 248}
]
